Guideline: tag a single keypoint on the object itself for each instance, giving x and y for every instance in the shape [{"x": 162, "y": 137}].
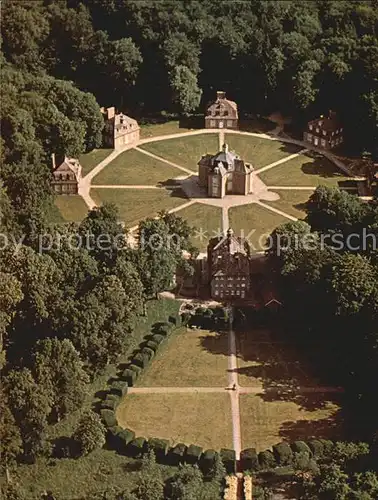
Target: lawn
[
  {"x": 191, "y": 358},
  {"x": 89, "y": 160},
  {"x": 197, "y": 418},
  {"x": 185, "y": 151},
  {"x": 156, "y": 129},
  {"x": 304, "y": 170},
  {"x": 258, "y": 151},
  {"x": 292, "y": 202},
  {"x": 206, "y": 220},
  {"x": 265, "y": 423},
  {"x": 137, "y": 204},
  {"x": 255, "y": 223},
  {"x": 71, "y": 207},
  {"x": 134, "y": 167}
]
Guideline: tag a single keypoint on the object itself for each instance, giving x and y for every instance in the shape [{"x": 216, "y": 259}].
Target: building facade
[
  {"x": 119, "y": 129},
  {"x": 222, "y": 113},
  {"x": 66, "y": 176},
  {"x": 228, "y": 260},
  {"x": 225, "y": 173},
  {"x": 324, "y": 132}
]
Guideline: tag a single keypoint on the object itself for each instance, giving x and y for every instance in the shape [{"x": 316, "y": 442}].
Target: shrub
[
  {"x": 158, "y": 338},
  {"x": 229, "y": 459},
  {"x": 160, "y": 447},
  {"x": 249, "y": 459},
  {"x": 109, "y": 418},
  {"x": 267, "y": 460},
  {"x": 328, "y": 446},
  {"x": 283, "y": 453},
  {"x": 137, "y": 447},
  {"x": 193, "y": 454},
  {"x": 162, "y": 328},
  {"x": 152, "y": 345},
  {"x": 90, "y": 433},
  {"x": 109, "y": 403},
  {"x": 173, "y": 320},
  {"x": 301, "y": 447},
  {"x": 113, "y": 437},
  {"x": 316, "y": 447},
  {"x": 119, "y": 388},
  {"x": 140, "y": 360},
  {"x": 129, "y": 376},
  {"x": 125, "y": 437},
  {"x": 149, "y": 353},
  {"x": 135, "y": 368},
  {"x": 207, "y": 460},
  {"x": 177, "y": 454}
]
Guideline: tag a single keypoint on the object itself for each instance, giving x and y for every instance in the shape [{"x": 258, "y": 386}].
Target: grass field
[
  {"x": 89, "y": 160},
  {"x": 72, "y": 208},
  {"x": 304, "y": 171},
  {"x": 185, "y": 151},
  {"x": 134, "y": 167},
  {"x": 255, "y": 223},
  {"x": 206, "y": 220},
  {"x": 196, "y": 358},
  {"x": 202, "y": 419},
  {"x": 257, "y": 151},
  {"x": 137, "y": 204},
  {"x": 156, "y": 129},
  {"x": 265, "y": 423},
  {"x": 292, "y": 202}
]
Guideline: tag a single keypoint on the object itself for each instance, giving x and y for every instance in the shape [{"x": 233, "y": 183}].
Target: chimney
[
  {"x": 53, "y": 161},
  {"x": 225, "y": 148},
  {"x": 221, "y": 94},
  {"x": 110, "y": 112}
]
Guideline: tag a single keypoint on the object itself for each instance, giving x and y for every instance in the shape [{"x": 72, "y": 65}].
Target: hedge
[
  {"x": 316, "y": 447},
  {"x": 267, "y": 460},
  {"x": 137, "y": 446},
  {"x": 140, "y": 360},
  {"x": 249, "y": 459},
  {"x": 177, "y": 453},
  {"x": 283, "y": 453},
  {"x": 125, "y": 437},
  {"x": 119, "y": 388},
  {"x": 135, "y": 368},
  {"x": 193, "y": 454},
  {"x": 207, "y": 460},
  {"x": 229, "y": 460},
  {"x": 157, "y": 338},
  {"x": 160, "y": 447},
  {"x": 152, "y": 345},
  {"x": 148, "y": 352},
  {"x": 109, "y": 418},
  {"x": 129, "y": 376},
  {"x": 113, "y": 437},
  {"x": 301, "y": 447},
  {"x": 109, "y": 403}
]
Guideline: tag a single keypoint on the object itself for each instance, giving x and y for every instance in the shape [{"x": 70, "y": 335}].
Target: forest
[{"x": 66, "y": 313}]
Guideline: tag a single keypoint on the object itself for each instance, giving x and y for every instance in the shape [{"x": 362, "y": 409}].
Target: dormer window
[
  {"x": 310, "y": 127},
  {"x": 317, "y": 130}
]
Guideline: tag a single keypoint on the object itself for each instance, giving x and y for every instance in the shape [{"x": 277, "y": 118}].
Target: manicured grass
[
  {"x": 137, "y": 204},
  {"x": 72, "y": 207},
  {"x": 258, "y": 151},
  {"x": 255, "y": 223},
  {"x": 134, "y": 167},
  {"x": 292, "y": 202},
  {"x": 265, "y": 423},
  {"x": 196, "y": 418},
  {"x": 156, "y": 129},
  {"x": 190, "y": 358},
  {"x": 89, "y": 160},
  {"x": 185, "y": 151},
  {"x": 266, "y": 361},
  {"x": 304, "y": 171},
  {"x": 206, "y": 221}
]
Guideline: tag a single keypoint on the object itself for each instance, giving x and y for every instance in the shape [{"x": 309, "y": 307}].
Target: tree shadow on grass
[
  {"x": 321, "y": 167},
  {"x": 325, "y": 428}
]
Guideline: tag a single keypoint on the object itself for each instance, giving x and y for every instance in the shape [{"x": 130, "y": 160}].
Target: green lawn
[
  {"x": 292, "y": 202},
  {"x": 89, "y": 160},
  {"x": 71, "y": 207},
  {"x": 255, "y": 223},
  {"x": 199, "y": 358},
  {"x": 258, "y": 151},
  {"x": 265, "y": 423},
  {"x": 195, "y": 418},
  {"x": 206, "y": 221},
  {"x": 156, "y": 129},
  {"x": 304, "y": 171},
  {"x": 137, "y": 204},
  {"x": 185, "y": 151},
  {"x": 134, "y": 167}
]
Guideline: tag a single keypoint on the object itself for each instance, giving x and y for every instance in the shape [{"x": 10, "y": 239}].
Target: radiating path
[
  {"x": 160, "y": 158},
  {"x": 279, "y": 162},
  {"x": 276, "y": 210}
]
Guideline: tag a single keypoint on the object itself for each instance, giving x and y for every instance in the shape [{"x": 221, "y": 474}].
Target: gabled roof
[{"x": 69, "y": 164}]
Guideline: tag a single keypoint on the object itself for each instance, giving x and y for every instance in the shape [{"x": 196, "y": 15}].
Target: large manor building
[
  {"x": 66, "y": 175},
  {"x": 225, "y": 173},
  {"x": 222, "y": 113},
  {"x": 324, "y": 132},
  {"x": 119, "y": 129}
]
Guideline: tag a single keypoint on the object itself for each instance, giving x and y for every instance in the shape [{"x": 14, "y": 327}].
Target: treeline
[
  {"x": 328, "y": 272},
  {"x": 68, "y": 307}
]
